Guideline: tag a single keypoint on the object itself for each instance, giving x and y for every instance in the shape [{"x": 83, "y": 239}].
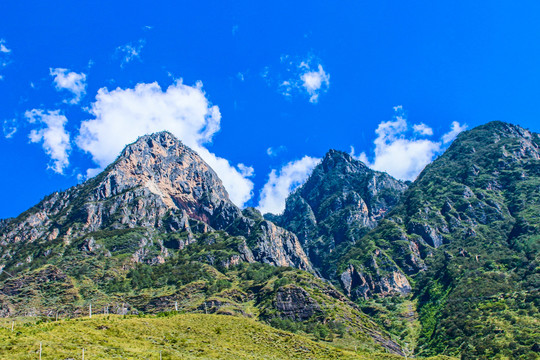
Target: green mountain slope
[{"x": 473, "y": 216}]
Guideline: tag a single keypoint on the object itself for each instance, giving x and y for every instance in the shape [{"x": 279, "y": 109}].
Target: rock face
[
  {"x": 364, "y": 285},
  {"x": 340, "y": 202},
  {"x": 278, "y": 246},
  {"x": 173, "y": 173},
  {"x": 294, "y": 303},
  {"x": 158, "y": 184}
]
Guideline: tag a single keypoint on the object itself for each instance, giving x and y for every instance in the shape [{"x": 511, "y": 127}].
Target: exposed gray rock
[
  {"x": 294, "y": 303},
  {"x": 428, "y": 234},
  {"x": 159, "y": 184},
  {"x": 340, "y": 202},
  {"x": 280, "y": 247},
  {"x": 366, "y": 282}
]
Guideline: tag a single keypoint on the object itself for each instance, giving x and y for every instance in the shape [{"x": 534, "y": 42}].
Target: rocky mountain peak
[
  {"x": 482, "y": 191},
  {"x": 504, "y": 129},
  {"x": 343, "y": 162},
  {"x": 501, "y": 140},
  {"x": 164, "y": 139},
  {"x": 341, "y": 201},
  {"x": 170, "y": 170},
  {"x": 159, "y": 186}
]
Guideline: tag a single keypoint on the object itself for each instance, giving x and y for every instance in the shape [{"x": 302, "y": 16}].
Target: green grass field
[{"x": 185, "y": 336}]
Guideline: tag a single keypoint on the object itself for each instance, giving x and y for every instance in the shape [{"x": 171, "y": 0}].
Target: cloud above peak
[
  {"x": 281, "y": 183},
  {"x": 122, "y": 115},
  {"x": 403, "y": 153},
  {"x": 423, "y": 129},
  {"x": 70, "y": 81},
  {"x": 454, "y": 132}
]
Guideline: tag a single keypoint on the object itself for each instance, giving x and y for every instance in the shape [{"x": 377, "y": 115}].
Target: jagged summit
[
  {"x": 340, "y": 195},
  {"x": 168, "y": 169},
  {"x": 162, "y": 186},
  {"x": 503, "y": 128},
  {"x": 334, "y": 158}
]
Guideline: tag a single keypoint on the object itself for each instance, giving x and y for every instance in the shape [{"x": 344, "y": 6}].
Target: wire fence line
[
  {"x": 49, "y": 348},
  {"x": 99, "y": 308},
  {"x": 46, "y": 348}
]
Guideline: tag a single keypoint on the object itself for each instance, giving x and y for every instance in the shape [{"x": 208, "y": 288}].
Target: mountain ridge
[
  {"x": 156, "y": 228},
  {"x": 448, "y": 264},
  {"x": 338, "y": 204}
]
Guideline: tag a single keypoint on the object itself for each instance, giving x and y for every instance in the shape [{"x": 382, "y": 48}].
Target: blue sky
[{"x": 261, "y": 90}]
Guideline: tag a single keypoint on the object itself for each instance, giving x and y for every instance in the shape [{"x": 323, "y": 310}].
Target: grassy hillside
[
  {"x": 103, "y": 276},
  {"x": 187, "y": 336}
]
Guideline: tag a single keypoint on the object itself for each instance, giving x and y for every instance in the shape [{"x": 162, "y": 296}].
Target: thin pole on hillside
[
  {"x": 12, "y": 325},
  {"x": 90, "y": 310},
  {"x": 176, "y": 305},
  {"x": 40, "y": 350},
  {"x": 82, "y": 353},
  {"x": 159, "y": 354}
]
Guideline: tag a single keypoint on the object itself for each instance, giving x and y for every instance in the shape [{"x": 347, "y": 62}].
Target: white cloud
[
  {"x": 315, "y": 82},
  {"x": 3, "y": 47},
  {"x": 130, "y": 52},
  {"x": 4, "y": 56},
  {"x": 286, "y": 88},
  {"x": 275, "y": 151},
  {"x": 122, "y": 115},
  {"x": 397, "y": 154},
  {"x": 402, "y": 154},
  {"x": 53, "y": 135},
  {"x": 9, "y": 128},
  {"x": 299, "y": 77},
  {"x": 71, "y": 81},
  {"x": 280, "y": 185},
  {"x": 453, "y": 133},
  {"x": 423, "y": 129},
  {"x": 246, "y": 171}
]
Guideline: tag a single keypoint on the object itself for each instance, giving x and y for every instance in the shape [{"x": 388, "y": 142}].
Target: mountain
[
  {"x": 155, "y": 232},
  {"x": 445, "y": 265},
  {"x": 449, "y": 263},
  {"x": 467, "y": 234},
  {"x": 156, "y": 184},
  {"x": 340, "y": 202}
]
